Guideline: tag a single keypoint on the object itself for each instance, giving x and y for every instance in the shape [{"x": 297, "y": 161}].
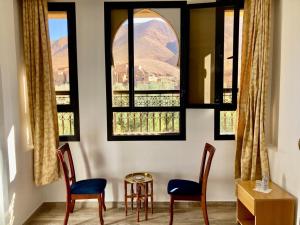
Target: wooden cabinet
[{"x": 255, "y": 208}]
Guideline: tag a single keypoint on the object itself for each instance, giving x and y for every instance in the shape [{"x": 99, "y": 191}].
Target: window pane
[
  {"x": 201, "y": 86},
  {"x": 119, "y": 67},
  {"x": 228, "y": 55},
  {"x": 58, "y": 30},
  {"x": 156, "y": 57},
  {"x": 227, "y": 122},
  {"x": 66, "y": 123},
  {"x": 145, "y": 123}
]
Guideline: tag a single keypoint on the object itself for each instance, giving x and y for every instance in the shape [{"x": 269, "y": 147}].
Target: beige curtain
[
  {"x": 251, "y": 154},
  {"x": 41, "y": 93}
]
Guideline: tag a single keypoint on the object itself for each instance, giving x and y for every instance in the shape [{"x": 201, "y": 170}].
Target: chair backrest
[
  {"x": 67, "y": 165},
  {"x": 207, "y": 157}
]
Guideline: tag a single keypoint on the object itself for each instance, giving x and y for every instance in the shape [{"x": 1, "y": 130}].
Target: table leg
[
  {"x": 132, "y": 192},
  {"x": 138, "y": 187},
  {"x": 125, "y": 187},
  {"x": 146, "y": 201},
  {"x": 151, "y": 195}
]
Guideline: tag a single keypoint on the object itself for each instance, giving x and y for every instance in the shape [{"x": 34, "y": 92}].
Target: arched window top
[{"x": 154, "y": 39}]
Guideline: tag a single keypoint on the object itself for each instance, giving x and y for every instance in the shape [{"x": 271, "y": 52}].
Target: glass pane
[
  {"x": 201, "y": 84},
  {"x": 228, "y": 55},
  {"x": 66, "y": 123},
  {"x": 228, "y": 52},
  {"x": 119, "y": 67},
  {"x": 58, "y": 30},
  {"x": 227, "y": 122},
  {"x": 63, "y": 99},
  {"x": 156, "y": 57},
  {"x": 145, "y": 123}
]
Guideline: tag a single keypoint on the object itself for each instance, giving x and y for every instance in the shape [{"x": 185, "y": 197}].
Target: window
[
  {"x": 144, "y": 70},
  {"x": 164, "y": 57},
  {"x": 62, "y": 30},
  {"x": 225, "y": 120}
]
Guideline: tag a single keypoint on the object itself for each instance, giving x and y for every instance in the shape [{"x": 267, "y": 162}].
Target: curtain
[
  {"x": 251, "y": 152},
  {"x": 41, "y": 92}
]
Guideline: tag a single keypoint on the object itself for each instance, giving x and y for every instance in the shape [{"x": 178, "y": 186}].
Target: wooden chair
[
  {"x": 187, "y": 190},
  {"x": 84, "y": 189}
]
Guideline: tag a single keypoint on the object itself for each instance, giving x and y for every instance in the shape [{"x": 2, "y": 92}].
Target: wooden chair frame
[
  {"x": 204, "y": 172},
  {"x": 71, "y": 179}
]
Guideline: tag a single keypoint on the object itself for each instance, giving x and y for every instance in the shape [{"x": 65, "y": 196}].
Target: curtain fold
[
  {"x": 41, "y": 92},
  {"x": 251, "y": 152}
]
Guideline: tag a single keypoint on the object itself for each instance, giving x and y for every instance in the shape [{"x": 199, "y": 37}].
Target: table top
[
  {"x": 276, "y": 193},
  {"x": 140, "y": 177}
]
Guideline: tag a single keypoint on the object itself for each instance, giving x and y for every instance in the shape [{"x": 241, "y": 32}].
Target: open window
[
  {"x": 226, "y": 120},
  {"x": 213, "y": 55}
]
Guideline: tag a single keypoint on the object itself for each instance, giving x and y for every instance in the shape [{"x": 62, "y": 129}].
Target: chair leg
[
  {"x": 68, "y": 206},
  {"x": 204, "y": 211},
  {"x": 72, "y": 205},
  {"x": 171, "y": 210},
  {"x": 103, "y": 201},
  {"x": 100, "y": 209}
]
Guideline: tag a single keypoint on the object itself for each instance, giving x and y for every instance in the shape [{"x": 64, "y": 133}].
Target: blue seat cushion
[
  {"x": 184, "y": 187},
  {"x": 89, "y": 186}
]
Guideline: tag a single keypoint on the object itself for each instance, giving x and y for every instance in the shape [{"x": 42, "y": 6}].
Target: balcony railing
[
  {"x": 149, "y": 98},
  {"x": 227, "y": 95},
  {"x": 151, "y": 123},
  {"x": 145, "y": 123},
  {"x": 66, "y": 123},
  {"x": 227, "y": 122}
]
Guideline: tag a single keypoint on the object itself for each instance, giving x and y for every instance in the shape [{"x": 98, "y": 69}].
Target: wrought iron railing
[
  {"x": 227, "y": 95},
  {"x": 149, "y": 123},
  {"x": 227, "y": 122},
  {"x": 145, "y": 123},
  {"x": 66, "y": 123},
  {"x": 149, "y": 98}
]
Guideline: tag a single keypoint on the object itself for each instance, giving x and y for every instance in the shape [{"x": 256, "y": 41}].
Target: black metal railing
[
  {"x": 227, "y": 122},
  {"x": 149, "y": 98},
  {"x": 145, "y": 123},
  {"x": 227, "y": 95},
  {"x": 66, "y": 123}
]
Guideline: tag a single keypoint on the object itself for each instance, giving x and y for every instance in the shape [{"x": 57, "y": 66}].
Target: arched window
[
  {"x": 156, "y": 53},
  {"x": 144, "y": 74}
]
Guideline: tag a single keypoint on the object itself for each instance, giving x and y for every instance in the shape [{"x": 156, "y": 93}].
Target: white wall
[
  {"x": 285, "y": 155},
  {"x": 96, "y": 157},
  {"x": 20, "y": 196}
]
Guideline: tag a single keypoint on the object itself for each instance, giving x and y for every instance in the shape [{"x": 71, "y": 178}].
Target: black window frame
[
  {"x": 73, "y": 107},
  {"x": 220, "y": 5},
  {"x": 230, "y": 107},
  {"x": 130, "y": 6}
]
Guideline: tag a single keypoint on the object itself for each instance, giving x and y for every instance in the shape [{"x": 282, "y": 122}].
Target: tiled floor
[{"x": 219, "y": 214}]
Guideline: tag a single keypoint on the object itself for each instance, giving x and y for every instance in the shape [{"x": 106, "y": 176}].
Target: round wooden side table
[{"x": 141, "y": 188}]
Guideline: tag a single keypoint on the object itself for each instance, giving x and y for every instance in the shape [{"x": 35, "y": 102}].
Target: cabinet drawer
[{"x": 246, "y": 199}]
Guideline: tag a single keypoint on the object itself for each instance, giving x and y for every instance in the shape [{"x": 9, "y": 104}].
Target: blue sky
[{"x": 58, "y": 28}]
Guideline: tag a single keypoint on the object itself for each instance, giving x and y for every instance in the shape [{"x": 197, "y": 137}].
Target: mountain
[
  {"x": 60, "y": 62},
  {"x": 59, "y": 51},
  {"x": 156, "y": 50}
]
